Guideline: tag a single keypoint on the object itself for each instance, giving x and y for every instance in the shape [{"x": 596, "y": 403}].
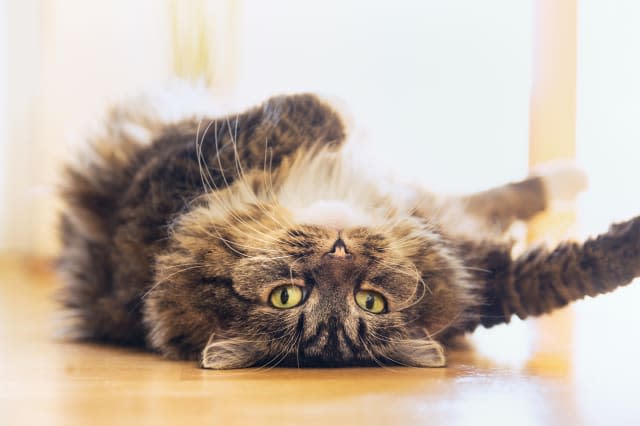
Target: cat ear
[
  {"x": 228, "y": 354},
  {"x": 418, "y": 353}
]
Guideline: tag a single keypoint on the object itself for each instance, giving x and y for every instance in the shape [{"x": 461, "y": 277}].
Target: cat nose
[{"x": 339, "y": 250}]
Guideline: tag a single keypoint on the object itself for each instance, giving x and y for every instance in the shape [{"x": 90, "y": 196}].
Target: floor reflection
[{"x": 565, "y": 369}]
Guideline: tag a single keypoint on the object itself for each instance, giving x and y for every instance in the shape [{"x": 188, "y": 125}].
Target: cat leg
[
  {"x": 542, "y": 280},
  {"x": 263, "y": 137},
  {"x": 503, "y": 205}
]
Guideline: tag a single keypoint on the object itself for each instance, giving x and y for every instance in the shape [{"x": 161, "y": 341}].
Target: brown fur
[{"x": 176, "y": 245}]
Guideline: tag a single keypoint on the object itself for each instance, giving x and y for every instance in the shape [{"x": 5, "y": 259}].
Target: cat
[{"x": 254, "y": 240}]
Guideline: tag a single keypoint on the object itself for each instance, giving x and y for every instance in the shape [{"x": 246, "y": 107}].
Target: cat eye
[
  {"x": 371, "y": 301},
  {"x": 286, "y": 296}
]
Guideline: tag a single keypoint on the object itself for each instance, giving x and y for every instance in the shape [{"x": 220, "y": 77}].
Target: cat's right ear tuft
[
  {"x": 419, "y": 353},
  {"x": 229, "y": 354}
]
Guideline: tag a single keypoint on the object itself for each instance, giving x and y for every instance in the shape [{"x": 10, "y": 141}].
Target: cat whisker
[
  {"x": 230, "y": 244},
  {"x": 395, "y": 266},
  {"x": 411, "y": 272},
  {"x": 447, "y": 325},
  {"x": 367, "y": 348},
  {"x": 237, "y": 218},
  {"x": 242, "y": 176},
  {"x": 235, "y": 338},
  {"x": 268, "y": 181},
  {"x": 180, "y": 265},
  {"x": 385, "y": 339},
  {"x": 393, "y": 361},
  {"x": 284, "y": 352},
  {"x": 298, "y": 342},
  {"x": 207, "y": 180},
  {"x": 215, "y": 190},
  {"x": 425, "y": 288},
  {"x": 293, "y": 262},
  {"x": 405, "y": 323},
  {"x": 165, "y": 279}
]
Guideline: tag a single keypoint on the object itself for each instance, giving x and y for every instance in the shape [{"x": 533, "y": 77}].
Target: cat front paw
[{"x": 563, "y": 180}]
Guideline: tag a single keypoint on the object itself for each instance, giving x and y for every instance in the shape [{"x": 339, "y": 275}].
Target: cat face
[
  {"x": 256, "y": 288},
  {"x": 303, "y": 264}
]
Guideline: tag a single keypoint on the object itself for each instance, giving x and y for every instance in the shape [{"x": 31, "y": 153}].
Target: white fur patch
[
  {"x": 169, "y": 103},
  {"x": 332, "y": 214},
  {"x": 332, "y": 189},
  {"x": 175, "y": 101}
]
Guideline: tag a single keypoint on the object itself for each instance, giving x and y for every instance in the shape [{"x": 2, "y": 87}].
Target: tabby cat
[{"x": 256, "y": 239}]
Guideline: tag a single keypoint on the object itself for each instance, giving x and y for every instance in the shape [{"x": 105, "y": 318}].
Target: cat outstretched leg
[
  {"x": 541, "y": 280},
  {"x": 265, "y": 135},
  {"x": 503, "y": 205}
]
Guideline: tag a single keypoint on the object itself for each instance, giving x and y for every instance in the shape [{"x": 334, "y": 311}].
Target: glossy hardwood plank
[{"x": 508, "y": 375}]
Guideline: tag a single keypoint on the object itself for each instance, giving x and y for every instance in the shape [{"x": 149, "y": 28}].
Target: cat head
[{"x": 306, "y": 265}]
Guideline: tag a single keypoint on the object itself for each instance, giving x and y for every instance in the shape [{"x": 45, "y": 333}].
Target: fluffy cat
[{"x": 253, "y": 240}]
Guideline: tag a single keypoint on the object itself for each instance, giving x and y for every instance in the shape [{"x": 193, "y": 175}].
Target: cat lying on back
[{"x": 252, "y": 240}]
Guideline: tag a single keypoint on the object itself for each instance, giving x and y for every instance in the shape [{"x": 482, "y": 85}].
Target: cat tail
[{"x": 540, "y": 281}]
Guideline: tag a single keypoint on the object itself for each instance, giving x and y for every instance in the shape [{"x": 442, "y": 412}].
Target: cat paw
[{"x": 563, "y": 180}]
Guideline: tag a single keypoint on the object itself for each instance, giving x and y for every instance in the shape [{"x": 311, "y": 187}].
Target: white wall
[
  {"x": 22, "y": 67},
  {"x": 609, "y": 148},
  {"x": 441, "y": 87},
  {"x": 4, "y": 87},
  {"x": 67, "y": 61},
  {"x": 609, "y": 109}
]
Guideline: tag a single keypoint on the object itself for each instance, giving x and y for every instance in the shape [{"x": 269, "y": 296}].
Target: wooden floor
[{"x": 561, "y": 370}]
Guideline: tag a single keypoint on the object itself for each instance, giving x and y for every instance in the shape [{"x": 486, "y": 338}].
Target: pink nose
[{"x": 339, "y": 250}]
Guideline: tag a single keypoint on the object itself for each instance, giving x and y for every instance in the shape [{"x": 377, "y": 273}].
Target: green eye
[
  {"x": 371, "y": 301},
  {"x": 286, "y": 296}
]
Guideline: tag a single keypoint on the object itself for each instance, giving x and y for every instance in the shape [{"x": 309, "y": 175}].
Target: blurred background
[{"x": 460, "y": 94}]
